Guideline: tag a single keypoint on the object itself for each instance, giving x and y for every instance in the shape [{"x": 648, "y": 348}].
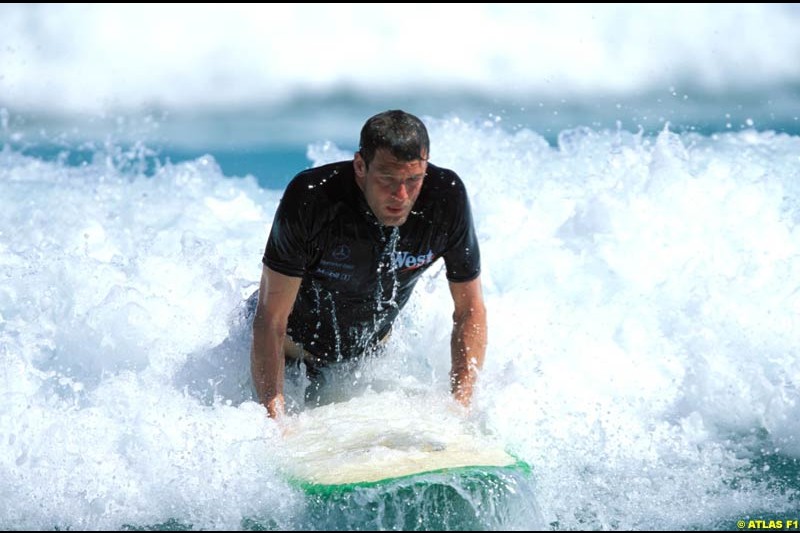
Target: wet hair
[{"x": 403, "y": 134}]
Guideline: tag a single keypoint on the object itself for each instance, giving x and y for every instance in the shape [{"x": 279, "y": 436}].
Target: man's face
[{"x": 390, "y": 186}]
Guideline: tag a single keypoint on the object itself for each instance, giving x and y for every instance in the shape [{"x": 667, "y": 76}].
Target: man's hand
[{"x": 276, "y": 407}]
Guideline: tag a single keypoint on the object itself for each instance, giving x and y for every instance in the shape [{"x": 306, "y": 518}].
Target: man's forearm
[
  {"x": 467, "y": 350},
  {"x": 267, "y": 364}
]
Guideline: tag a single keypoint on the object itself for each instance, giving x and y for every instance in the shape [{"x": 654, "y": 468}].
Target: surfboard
[
  {"x": 380, "y": 437},
  {"x": 404, "y": 461}
]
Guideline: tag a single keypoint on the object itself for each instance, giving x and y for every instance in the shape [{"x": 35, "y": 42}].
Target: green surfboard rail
[{"x": 321, "y": 489}]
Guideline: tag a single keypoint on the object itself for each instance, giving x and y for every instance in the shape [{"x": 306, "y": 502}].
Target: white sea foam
[{"x": 642, "y": 296}]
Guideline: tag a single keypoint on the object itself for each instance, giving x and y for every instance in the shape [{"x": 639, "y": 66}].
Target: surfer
[{"x": 348, "y": 243}]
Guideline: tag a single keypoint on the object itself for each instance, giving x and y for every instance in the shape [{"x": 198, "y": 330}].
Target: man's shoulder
[
  {"x": 322, "y": 174},
  {"x": 440, "y": 172},
  {"x": 325, "y": 182},
  {"x": 442, "y": 181}
]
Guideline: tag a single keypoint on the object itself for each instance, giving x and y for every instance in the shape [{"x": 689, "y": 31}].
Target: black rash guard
[{"x": 357, "y": 273}]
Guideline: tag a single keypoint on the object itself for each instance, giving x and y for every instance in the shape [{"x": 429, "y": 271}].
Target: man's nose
[{"x": 400, "y": 191}]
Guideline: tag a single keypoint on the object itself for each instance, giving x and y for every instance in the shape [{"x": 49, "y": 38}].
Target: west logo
[{"x": 407, "y": 261}]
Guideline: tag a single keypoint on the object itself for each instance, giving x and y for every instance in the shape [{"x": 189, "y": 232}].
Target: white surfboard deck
[{"x": 383, "y": 436}]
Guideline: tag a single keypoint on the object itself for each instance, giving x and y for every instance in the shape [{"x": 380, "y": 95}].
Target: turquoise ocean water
[{"x": 634, "y": 174}]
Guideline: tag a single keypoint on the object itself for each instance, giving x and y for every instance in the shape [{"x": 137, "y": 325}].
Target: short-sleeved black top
[{"x": 357, "y": 273}]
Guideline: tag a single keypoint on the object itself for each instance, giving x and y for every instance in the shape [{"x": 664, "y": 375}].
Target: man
[{"x": 349, "y": 242}]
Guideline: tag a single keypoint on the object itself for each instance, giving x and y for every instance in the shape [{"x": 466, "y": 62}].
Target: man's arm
[
  {"x": 468, "y": 342},
  {"x": 275, "y": 300}
]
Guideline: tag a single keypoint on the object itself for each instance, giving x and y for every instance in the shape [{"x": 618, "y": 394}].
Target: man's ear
[{"x": 360, "y": 166}]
